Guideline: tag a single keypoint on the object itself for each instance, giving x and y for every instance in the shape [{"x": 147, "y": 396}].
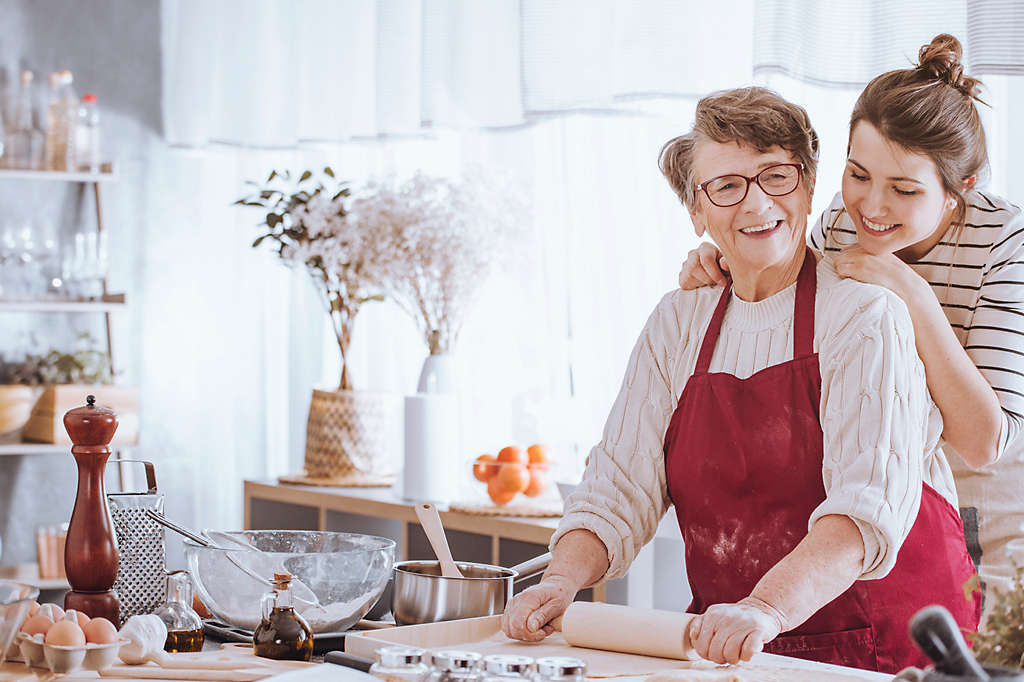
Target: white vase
[
  {"x": 432, "y": 436},
  {"x": 437, "y": 375}
]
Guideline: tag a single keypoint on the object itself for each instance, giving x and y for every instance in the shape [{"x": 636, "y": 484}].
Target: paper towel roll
[
  {"x": 431, "y": 447},
  {"x": 611, "y": 627}
]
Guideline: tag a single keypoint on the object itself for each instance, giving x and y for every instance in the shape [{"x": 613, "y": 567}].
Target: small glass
[
  {"x": 507, "y": 668},
  {"x": 561, "y": 669},
  {"x": 184, "y": 626},
  {"x": 282, "y": 634},
  {"x": 400, "y": 664},
  {"x": 455, "y": 666}
]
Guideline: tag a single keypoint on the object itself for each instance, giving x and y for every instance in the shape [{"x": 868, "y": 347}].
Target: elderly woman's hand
[
  {"x": 528, "y": 615},
  {"x": 730, "y": 633},
  {"x": 704, "y": 266}
]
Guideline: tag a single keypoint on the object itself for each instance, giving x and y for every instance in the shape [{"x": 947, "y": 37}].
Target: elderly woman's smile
[{"x": 761, "y": 235}]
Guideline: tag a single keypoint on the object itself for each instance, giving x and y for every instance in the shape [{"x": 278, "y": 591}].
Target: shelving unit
[
  {"x": 29, "y": 574},
  {"x": 107, "y": 304},
  {"x": 33, "y": 449}
]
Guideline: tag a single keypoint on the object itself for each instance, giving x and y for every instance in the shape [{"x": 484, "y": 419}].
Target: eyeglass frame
[{"x": 704, "y": 185}]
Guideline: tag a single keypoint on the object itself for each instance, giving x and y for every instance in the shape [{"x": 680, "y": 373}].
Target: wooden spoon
[{"x": 430, "y": 520}]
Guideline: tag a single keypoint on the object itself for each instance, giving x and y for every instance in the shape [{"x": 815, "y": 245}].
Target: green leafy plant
[
  {"x": 1000, "y": 641},
  {"x": 307, "y": 221},
  {"x": 84, "y": 365}
]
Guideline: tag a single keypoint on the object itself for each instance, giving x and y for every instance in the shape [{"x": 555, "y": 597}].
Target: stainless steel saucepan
[{"x": 422, "y": 595}]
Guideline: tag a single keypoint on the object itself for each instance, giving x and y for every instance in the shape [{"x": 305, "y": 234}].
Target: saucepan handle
[{"x": 530, "y": 568}]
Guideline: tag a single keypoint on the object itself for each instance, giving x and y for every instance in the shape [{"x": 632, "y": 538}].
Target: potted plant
[
  {"x": 306, "y": 222},
  {"x": 445, "y": 236},
  {"x": 36, "y": 391}
]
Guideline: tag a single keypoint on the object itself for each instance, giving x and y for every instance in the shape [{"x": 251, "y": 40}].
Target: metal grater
[{"x": 141, "y": 583}]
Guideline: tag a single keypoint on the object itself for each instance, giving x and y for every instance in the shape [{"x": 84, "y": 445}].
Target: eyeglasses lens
[{"x": 729, "y": 190}]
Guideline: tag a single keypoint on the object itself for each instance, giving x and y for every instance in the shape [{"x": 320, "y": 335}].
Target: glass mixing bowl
[
  {"x": 336, "y": 577},
  {"x": 15, "y": 600}
]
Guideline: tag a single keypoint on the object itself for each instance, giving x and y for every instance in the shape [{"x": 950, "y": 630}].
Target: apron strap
[
  {"x": 707, "y": 347},
  {"x": 803, "y": 317}
]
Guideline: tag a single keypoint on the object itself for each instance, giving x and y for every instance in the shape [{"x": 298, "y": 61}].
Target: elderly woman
[{"x": 784, "y": 418}]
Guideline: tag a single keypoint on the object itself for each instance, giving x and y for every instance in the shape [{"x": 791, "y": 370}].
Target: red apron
[{"x": 743, "y": 460}]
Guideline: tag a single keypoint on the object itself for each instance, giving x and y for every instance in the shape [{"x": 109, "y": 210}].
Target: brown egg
[
  {"x": 37, "y": 624},
  {"x": 33, "y": 609},
  {"x": 100, "y": 631},
  {"x": 65, "y": 633}
]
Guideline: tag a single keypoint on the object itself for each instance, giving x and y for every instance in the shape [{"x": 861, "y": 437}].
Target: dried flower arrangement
[
  {"x": 445, "y": 235},
  {"x": 308, "y": 220},
  {"x": 84, "y": 365},
  {"x": 1001, "y": 639}
]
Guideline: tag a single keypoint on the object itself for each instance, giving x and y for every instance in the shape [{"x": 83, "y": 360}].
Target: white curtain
[{"x": 569, "y": 101}]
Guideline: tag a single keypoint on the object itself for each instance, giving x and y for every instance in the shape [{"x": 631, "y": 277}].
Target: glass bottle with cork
[
  {"x": 282, "y": 634},
  {"x": 184, "y": 627}
]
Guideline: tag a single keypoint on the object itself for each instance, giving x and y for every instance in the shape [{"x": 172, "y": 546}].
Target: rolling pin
[{"x": 627, "y": 630}]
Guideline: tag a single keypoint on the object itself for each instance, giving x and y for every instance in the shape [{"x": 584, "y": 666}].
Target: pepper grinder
[{"x": 90, "y": 554}]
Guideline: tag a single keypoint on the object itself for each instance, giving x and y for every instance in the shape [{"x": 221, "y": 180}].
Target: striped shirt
[{"x": 977, "y": 274}]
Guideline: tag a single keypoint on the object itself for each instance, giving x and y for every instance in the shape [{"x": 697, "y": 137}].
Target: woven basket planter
[{"x": 353, "y": 436}]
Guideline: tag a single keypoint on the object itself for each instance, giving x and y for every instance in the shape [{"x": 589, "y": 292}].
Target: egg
[
  {"x": 65, "y": 633},
  {"x": 33, "y": 608},
  {"x": 80, "y": 618},
  {"x": 36, "y": 625},
  {"x": 52, "y": 611},
  {"x": 100, "y": 631}
]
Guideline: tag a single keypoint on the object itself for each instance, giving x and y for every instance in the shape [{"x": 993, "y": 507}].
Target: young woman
[{"x": 911, "y": 218}]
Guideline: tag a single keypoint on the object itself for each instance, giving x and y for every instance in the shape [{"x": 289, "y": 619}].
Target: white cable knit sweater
[{"x": 880, "y": 426}]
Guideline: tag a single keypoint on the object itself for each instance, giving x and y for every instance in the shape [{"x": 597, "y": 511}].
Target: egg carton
[{"x": 35, "y": 653}]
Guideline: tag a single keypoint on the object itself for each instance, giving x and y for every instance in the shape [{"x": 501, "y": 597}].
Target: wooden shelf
[
  {"x": 29, "y": 574},
  {"x": 108, "y": 303},
  {"x": 33, "y": 449},
  {"x": 107, "y": 174}
]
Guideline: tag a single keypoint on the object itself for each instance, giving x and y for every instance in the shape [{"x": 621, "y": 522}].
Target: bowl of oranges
[{"x": 514, "y": 472}]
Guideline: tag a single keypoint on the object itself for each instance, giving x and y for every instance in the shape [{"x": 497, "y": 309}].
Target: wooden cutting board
[
  {"x": 249, "y": 668},
  {"x": 484, "y": 636}
]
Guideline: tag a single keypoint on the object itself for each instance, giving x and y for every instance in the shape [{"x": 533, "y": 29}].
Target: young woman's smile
[{"x": 895, "y": 197}]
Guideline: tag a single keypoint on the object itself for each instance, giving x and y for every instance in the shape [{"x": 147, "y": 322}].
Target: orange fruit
[
  {"x": 538, "y": 481},
  {"x": 537, "y": 453},
  {"x": 513, "y": 477},
  {"x": 484, "y": 468},
  {"x": 513, "y": 455},
  {"x": 499, "y": 495}
]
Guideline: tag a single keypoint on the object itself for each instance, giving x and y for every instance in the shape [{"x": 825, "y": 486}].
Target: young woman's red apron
[{"x": 743, "y": 459}]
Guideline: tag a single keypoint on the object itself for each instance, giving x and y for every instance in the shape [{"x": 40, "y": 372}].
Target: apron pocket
[{"x": 854, "y": 648}]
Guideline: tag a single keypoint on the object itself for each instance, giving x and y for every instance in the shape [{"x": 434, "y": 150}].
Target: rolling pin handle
[{"x": 556, "y": 623}]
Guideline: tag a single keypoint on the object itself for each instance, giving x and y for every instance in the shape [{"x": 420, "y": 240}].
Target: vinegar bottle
[{"x": 282, "y": 633}]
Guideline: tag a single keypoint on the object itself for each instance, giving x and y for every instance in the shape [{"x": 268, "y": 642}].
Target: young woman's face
[{"x": 895, "y": 197}]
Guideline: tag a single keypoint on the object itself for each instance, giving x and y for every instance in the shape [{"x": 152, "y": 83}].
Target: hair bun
[{"x": 940, "y": 59}]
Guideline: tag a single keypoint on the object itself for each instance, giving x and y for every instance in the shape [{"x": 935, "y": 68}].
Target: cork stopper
[
  {"x": 282, "y": 580},
  {"x": 91, "y": 425}
]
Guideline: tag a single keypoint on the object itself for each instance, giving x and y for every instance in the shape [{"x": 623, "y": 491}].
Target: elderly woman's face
[{"x": 761, "y": 231}]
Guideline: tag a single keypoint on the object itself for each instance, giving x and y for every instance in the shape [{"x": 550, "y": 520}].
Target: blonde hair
[{"x": 752, "y": 116}]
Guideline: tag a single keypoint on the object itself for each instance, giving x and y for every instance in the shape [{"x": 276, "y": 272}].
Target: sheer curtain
[{"x": 568, "y": 102}]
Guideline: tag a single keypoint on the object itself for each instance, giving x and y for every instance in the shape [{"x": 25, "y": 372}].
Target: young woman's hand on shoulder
[{"x": 704, "y": 266}]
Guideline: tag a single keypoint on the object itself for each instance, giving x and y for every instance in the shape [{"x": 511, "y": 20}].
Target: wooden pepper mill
[{"x": 90, "y": 553}]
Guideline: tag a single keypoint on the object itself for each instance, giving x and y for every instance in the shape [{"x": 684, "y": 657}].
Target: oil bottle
[
  {"x": 282, "y": 634},
  {"x": 184, "y": 627}
]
